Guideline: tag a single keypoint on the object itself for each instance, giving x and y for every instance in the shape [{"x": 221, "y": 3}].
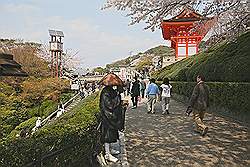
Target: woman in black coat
[
  {"x": 110, "y": 106},
  {"x": 111, "y": 111}
]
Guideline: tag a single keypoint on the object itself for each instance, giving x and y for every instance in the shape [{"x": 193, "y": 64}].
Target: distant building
[
  {"x": 142, "y": 73},
  {"x": 168, "y": 60},
  {"x": 157, "y": 62},
  {"x": 91, "y": 78},
  {"x": 124, "y": 72}
]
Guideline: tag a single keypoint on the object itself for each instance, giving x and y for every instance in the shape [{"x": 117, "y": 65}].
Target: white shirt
[
  {"x": 59, "y": 113},
  {"x": 166, "y": 90},
  {"x": 38, "y": 123}
]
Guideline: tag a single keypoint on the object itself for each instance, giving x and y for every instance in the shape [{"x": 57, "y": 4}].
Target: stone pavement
[{"x": 156, "y": 140}]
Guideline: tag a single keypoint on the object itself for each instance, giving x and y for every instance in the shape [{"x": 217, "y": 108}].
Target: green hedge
[
  {"x": 226, "y": 62},
  {"x": 74, "y": 133},
  {"x": 234, "y": 97}
]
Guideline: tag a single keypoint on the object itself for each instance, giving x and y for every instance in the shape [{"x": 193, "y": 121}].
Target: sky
[{"x": 99, "y": 36}]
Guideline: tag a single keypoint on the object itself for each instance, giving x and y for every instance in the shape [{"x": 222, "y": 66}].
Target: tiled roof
[
  {"x": 9, "y": 67},
  {"x": 188, "y": 14}
]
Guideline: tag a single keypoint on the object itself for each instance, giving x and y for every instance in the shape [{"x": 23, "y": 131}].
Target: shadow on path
[{"x": 168, "y": 140}]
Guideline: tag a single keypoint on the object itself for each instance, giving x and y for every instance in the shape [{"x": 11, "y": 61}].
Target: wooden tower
[{"x": 56, "y": 50}]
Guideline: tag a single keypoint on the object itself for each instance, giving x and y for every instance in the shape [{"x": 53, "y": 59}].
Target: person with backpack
[{"x": 165, "y": 95}]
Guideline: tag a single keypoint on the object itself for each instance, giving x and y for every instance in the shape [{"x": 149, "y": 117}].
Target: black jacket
[
  {"x": 135, "y": 90},
  {"x": 111, "y": 108}
]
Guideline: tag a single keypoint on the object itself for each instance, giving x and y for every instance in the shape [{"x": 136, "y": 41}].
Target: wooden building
[
  {"x": 185, "y": 31},
  {"x": 9, "y": 67}
]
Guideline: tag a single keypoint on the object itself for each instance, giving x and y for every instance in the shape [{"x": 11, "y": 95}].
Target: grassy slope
[
  {"x": 225, "y": 62},
  {"x": 74, "y": 132}
]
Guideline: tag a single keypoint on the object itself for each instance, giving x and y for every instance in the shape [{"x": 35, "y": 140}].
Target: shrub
[
  {"x": 37, "y": 97},
  {"x": 6, "y": 89},
  {"x": 71, "y": 137},
  {"x": 26, "y": 125}
]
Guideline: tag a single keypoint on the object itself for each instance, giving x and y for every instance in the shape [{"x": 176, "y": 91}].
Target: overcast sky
[{"x": 101, "y": 37}]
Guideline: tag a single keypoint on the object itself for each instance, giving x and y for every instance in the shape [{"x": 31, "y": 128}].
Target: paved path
[{"x": 154, "y": 140}]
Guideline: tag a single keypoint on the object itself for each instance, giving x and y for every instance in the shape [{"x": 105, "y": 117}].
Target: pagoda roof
[
  {"x": 187, "y": 15},
  {"x": 186, "y": 21},
  {"x": 9, "y": 67}
]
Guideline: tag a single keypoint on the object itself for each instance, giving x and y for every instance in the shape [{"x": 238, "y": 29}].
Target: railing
[
  {"x": 65, "y": 105},
  {"x": 94, "y": 130},
  {"x": 53, "y": 114}
]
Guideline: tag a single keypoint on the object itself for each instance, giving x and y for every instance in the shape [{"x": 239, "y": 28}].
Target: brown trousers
[{"x": 198, "y": 119}]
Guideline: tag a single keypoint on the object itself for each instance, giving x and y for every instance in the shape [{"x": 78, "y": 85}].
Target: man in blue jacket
[{"x": 152, "y": 93}]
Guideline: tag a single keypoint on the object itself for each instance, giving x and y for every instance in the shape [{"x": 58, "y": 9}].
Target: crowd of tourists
[
  {"x": 113, "y": 108},
  {"x": 140, "y": 88}
]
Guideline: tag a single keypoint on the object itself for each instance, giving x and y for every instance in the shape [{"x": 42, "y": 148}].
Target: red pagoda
[{"x": 185, "y": 31}]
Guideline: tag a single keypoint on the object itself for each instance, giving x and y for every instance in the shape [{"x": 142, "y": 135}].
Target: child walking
[{"x": 166, "y": 90}]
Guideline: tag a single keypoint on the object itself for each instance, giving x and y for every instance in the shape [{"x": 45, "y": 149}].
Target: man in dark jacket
[
  {"x": 198, "y": 103},
  {"x": 127, "y": 87},
  {"x": 135, "y": 92}
]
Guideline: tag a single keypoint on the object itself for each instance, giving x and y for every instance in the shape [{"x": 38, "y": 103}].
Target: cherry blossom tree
[{"x": 232, "y": 15}]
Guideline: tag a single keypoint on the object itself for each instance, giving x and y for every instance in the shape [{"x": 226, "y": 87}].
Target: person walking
[
  {"x": 127, "y": 87},
  {"x": 93, "y": 87},
  {"x": 111, "y": 108},
  {"x": 198, "y": 104},
  {"x": 135, "y": 92},
  {"x": 60, "y": 110},
  {"x": 152, "y": 93},
  {"x": 143, "y": 87},
  {"x": 165, "y": 95}
]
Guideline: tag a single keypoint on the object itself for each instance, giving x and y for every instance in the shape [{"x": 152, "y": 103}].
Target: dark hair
[
  {"x": 201, "y": 77},
  {"x": 166, "y": 81},
  {"x": 60, "y": 105},
  {"x": 152, "y": 80}
]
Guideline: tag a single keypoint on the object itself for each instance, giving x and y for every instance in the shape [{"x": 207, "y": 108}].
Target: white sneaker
[
  {"x": 114, "y": 152},
  {"x": 101, "y": 159},
  {"x": 111, "y": 158}
]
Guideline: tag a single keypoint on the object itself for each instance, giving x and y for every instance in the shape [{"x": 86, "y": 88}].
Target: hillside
[
  {"x": 160, "y": 51},
  {"x": 228, "y": 61},
  {"x": 156, "y": 51},
  {"x": 22, "y": 99}
]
